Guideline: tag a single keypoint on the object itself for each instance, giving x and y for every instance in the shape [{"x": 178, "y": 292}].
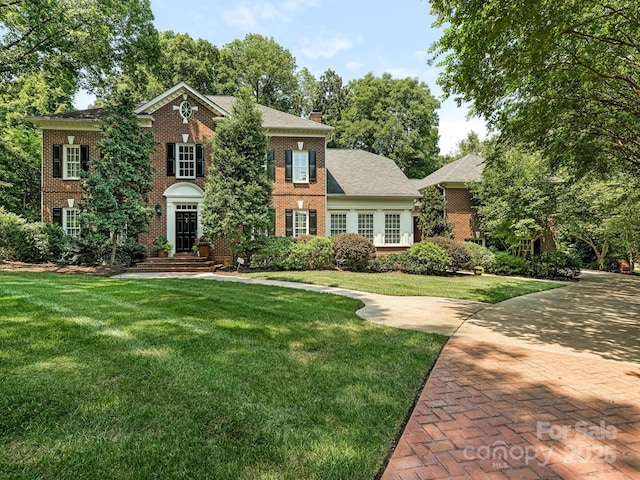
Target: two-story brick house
[{"x": 183, "y": 122}]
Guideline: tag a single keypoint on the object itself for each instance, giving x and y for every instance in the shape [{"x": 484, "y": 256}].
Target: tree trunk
[{"x": 114, "y": 248}]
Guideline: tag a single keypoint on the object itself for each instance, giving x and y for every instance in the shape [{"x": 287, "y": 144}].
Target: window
[
  {"x": 72, "y": 162},
  {"x": 301, "y": 223},
  {"x": 525, "y": 247},
  {"x": 186, "y": 161},
  {"x": 71, "y": 221},
  {"x": 338, "y": 223},
  {"x": 365, "y": 225},
  {"x": 477, "y": 241},
  {"x": 392, "y": 228},
  {"x": 300, "y": 167}
]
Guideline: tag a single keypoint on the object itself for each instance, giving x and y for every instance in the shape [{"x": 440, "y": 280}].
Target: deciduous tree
[
  {"x": 561, "y": 75},
  {"x": 395, "y": 118},
  {"x": 260, "y": 63}
]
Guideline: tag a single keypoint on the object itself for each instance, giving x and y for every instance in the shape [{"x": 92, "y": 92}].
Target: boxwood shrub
[
  {"x": 427, "y": 258},
  {"x": 457, "y": 251},
  {"x": 353, "y": 251}
]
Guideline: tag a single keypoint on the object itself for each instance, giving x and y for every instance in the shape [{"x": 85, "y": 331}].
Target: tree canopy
[
  {"x": 76, "y": 40},
  {"x": 561, "y": 75},
  {"x": 395, "y": 118},
  {"x": 261, "y": 64}
]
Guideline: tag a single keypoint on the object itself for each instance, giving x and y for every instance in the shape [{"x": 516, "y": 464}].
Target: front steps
[{"x": 181, "y": 262}]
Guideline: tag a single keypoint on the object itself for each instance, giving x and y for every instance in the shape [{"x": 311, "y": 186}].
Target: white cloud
[
  {"x": 324, "y": 47},
  {"x": 454, "y": 125},
  {"x": 257, "y": 15}
]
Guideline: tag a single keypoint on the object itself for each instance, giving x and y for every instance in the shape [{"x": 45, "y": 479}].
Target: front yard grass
[
  {"x": 481, "y": 288},
  {"x": 105, "y": 378}
]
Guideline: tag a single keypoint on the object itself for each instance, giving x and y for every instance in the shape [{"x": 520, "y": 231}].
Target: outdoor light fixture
[{"x": 158, "y": 209}]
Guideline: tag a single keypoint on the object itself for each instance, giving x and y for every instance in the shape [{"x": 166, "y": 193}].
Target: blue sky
[{"x": 350, "y": 37}]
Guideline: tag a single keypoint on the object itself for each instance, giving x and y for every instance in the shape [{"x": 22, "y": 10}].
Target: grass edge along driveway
[
  {"x": 479, "y": 288},
  {"x": 106, "y": 378}
]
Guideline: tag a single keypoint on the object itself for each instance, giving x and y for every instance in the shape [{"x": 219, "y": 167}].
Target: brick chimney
[{"x": 315, "y": 116}]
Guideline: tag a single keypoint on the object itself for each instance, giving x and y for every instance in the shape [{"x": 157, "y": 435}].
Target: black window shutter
[
  {"x": 313, "y": 222},
  {"x": 289, "y": 222},
  {"x": 199, "y": 160},
  {"x": 171, "y": 159},
  {"x": 57, "y": 161},
  {"x": 57, "y": 216},
  {"x": 288, "y": 166},
  {"x": 313, "y": 176},
  {"x": 271, "y": 165},
  {"x": 84, "y": 158}
]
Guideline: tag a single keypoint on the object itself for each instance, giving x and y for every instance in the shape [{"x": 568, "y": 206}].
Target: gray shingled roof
[
  {"x": 466, "y": 169},
  {"x": 90, "y": 114},
  {"x": 272, "y": 118},
  {"x": 360, "y": 173}
]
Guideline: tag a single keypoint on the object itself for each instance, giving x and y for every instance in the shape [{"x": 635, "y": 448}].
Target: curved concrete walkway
[
  {"x": 428, "y": 314},
  {"x": 542, "y": 386}
]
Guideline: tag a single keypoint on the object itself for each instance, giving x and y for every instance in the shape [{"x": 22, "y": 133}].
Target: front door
[{"x": 186, "y": 230}]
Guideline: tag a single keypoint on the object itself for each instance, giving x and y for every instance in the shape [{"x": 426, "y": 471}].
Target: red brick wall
[
  {"x": 286, "y": 195},
  {"x": 461, "y": 214},
  {"x": 169, "y": 127}
]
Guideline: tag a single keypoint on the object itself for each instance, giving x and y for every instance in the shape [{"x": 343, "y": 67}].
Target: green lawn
[
  {"x": 483, "y": 288},
  {"x": 106, "y": 378}
]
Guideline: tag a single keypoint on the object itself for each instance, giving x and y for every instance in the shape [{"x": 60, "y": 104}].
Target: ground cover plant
[
  {"x": 108, "y": 378},
  {"x": 484, "y": 288}
]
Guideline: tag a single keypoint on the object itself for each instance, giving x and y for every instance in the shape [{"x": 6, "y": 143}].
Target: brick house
[
  {"x": 452, "y": 180},
  {"x": 183, "y": 121}
]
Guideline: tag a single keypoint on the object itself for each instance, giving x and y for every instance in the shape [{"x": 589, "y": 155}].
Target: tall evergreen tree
[
  {"x": 431, "y": 219},
  {"x": 114, "y": 204},
  {"x": 237, "y": 200}
]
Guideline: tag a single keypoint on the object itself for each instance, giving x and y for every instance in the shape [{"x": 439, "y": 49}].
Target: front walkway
[{"x": 542, "y": 386}]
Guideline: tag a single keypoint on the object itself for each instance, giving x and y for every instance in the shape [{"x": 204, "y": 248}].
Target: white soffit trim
[{"x": 179, "y": 91}]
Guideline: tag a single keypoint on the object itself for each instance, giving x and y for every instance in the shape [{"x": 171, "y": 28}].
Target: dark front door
[{"x": 186, "y": 230}]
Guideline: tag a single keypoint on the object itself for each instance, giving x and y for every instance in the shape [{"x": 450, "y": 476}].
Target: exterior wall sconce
[{"x": 158, "y": 209}]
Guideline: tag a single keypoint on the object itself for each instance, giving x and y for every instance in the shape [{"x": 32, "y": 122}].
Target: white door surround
[{"x": 177, "y": 194}]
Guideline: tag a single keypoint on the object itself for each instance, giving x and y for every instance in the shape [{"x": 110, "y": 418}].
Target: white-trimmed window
[
  {"x": 300, "y": 167},
  {"x": 477, "y": 241},
  {"x": 365, "y": 225},
  {"x": 71, "y": 162},
  {"x": 300, "y": 222},
  {"x": 186, "y": 160},
  {"x": 338, "y": 223},
  {"x": 71, "y": 221},
  {"x": 391, "y": 228}
]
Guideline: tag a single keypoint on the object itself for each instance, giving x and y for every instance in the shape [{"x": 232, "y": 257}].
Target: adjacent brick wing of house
[
  {"x": 453, "y": 180},
  {"x": 183, "y": 122}
]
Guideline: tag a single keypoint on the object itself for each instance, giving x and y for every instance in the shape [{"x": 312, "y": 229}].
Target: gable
[{"x": 179, "y": 93}]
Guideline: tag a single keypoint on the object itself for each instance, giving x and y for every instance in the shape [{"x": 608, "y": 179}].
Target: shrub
[
  {"x": 10, "y": 234},
  {"x": 427, "y": 258},
  {"x": 388, "y": 263},
  {"x": 480, "y": 256},
  {"x": 506, "y": 264},
  {"x": 41, "y": 242},
  {"x": 95, "y": 249},
  {"x": 273, "y": 254},
  {"x": 555, "y": 265},
  {"x": 457, "y": 251},
  {"x": 310, "y": 253},
  {"x": 353, "y": 251}
]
